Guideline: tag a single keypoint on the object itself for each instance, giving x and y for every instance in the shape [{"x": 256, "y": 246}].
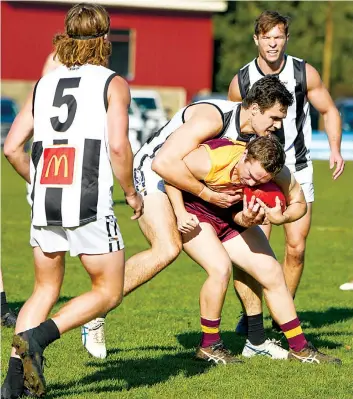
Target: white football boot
[
  {"x": 268, "y": 348},
  {"x": 93, "y": 338}
]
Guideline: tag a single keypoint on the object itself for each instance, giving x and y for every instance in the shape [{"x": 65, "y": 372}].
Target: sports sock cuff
[
  {"x": 3, "y": 297},
  {"x": 256, "y": 317},
  {"x": 210, "y": 326},
  {"x": 4, "y": 305},
  {"x": 290, "y": 325},
  {"x": 52, "y": 330},
  {"x": 210, "y": 323},
  {"x": 15, "y": 364},
  {"x": 46, "y": 333},
  {"x": 256, "y": 330}
]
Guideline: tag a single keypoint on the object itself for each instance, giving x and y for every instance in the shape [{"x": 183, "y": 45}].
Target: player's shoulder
[
  {"x": 292, "y": 57},
  {"x": 223, "y": 142},
  {"x": 223, "y": 105}
]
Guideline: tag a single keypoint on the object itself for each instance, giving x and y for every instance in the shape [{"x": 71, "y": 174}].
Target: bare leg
[
  {"x": 159, "y": 227},
  {"x": 49, "y": 274},
  {"x": 248, "y": 290},
  {"x": 1, "y": 282},
  {"x": 296, "y": 234},
  {"x": 204, "y": 247},
  {"x": 252, "y": 252},
  {"x": 107, "y": 276}
]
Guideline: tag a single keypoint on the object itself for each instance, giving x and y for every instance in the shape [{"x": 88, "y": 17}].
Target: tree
[{"x": 235, "y": 28}]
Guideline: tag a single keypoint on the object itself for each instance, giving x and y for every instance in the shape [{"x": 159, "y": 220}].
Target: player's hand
[
  {"x": 253, "y": 213},
  {"x": 336, "y": 158},
  {"x": 136, "y": 202},
  {"x": 220, "y": 199},
  {"x": 273, "y": 215},
  {"x": 187, "y": 222}
]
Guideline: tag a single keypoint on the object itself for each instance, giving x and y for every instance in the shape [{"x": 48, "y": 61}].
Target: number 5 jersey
[{"x": 71, "y": 175}]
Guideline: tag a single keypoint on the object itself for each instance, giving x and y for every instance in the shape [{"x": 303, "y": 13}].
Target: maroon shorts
[{"x": 219, "y": 218}]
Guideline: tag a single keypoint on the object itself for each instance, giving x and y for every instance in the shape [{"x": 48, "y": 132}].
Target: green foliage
[
  {"x": 234, "y": 29},
  {"x": 151, "y": 337}
]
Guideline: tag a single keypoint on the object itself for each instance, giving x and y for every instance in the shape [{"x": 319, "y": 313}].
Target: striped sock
[
  {"x": 210, "y": 331},
  {"x": 294, "y": 334}
]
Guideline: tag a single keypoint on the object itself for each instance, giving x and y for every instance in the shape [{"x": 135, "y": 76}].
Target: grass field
[{"x": 152, "y": 336}]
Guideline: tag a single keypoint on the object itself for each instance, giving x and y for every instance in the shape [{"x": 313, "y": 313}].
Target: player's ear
[
  {"x": 254, "y": 108},
  {"x": 256, "y": 40},
  {"x": 243, "y": 157}
]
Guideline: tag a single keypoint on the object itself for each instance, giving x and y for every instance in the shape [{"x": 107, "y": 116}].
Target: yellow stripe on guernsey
[
  {"x": 224, "y": 155},
  {"x": 294, "y": 332},
  {"x": 210, "y": 330}
]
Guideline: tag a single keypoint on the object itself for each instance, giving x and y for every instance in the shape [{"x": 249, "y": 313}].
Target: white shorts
[
  {"x": 145, "y": 179},
  {"x": 99, "y": 237},
  {"x": 305, "y": 178}
]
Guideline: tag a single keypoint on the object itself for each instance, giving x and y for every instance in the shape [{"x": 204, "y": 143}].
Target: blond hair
[{"x": 84, "y": 40}]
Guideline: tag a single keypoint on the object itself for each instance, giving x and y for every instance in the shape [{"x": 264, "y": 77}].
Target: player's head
[
  {"x": 271, "y": 35},
  {"x": 85, "y": 38},
  {"x": 263, "y": 158},
  {"x": 267, "y": 102}
]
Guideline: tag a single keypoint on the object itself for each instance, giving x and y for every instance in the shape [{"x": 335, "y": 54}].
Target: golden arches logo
[{"x": 57, "y": 163}]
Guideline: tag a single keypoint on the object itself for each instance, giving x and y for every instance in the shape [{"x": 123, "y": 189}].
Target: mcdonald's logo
[{"x": 58, "y": 165}]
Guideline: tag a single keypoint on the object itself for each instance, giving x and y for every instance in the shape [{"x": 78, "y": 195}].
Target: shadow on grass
[
  {"x": 125, "y": 374},
  {"x": 16, "y": 306},
  {"x": 315, "y": 319},
  {"x": 235, "y": 343},
  {"x": 144, "y": 348}
]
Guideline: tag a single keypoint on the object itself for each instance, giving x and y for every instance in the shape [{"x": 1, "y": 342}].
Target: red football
[{"x": 267, "y": 193}]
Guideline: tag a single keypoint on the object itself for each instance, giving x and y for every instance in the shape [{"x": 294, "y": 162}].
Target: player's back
[{"x": 70, "y": 147}]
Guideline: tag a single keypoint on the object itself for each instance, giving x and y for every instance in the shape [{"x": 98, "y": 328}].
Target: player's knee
[
  {"x": 274, "y": 279},
  {"x": 49, "y": 291},
  {"x": 222, "y": 273},
  {"x": 296, "y": 250},
  {"x": 168, "y": 252},
  {"x": 114, "y": 301}
]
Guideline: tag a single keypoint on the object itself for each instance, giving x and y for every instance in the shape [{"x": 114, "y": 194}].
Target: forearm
[
  {"x": 122, "y": 165},
  {"x": 294, "y": 212},
  {"x": 176, "y": 198},
  {"x": 332, "y": 122},
  {"x": 177, "y": 174},
  {"x": 20, "y": 161}
]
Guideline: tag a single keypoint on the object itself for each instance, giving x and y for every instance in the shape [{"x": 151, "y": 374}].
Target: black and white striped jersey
[
  {"x": 71, "y": 175},
  {"x": 296, "y": 131},
  {"x": 229, "y": 110}
]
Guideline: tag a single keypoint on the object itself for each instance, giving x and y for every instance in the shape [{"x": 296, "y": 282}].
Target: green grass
[{"x": 151, "y": 337}]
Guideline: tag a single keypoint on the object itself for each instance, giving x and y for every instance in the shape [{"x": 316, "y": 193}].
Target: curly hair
[
  {"x": 268, "y": 151},
  {"x": 268, "y": 20},
  {"x": 266, "y": 92},
  {"x": 84, "y": 40}
]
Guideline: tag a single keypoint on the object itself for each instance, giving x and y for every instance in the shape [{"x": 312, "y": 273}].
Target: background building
[{"x": 162, "y": 44}]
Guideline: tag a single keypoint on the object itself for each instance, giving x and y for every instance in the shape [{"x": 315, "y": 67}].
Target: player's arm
[
  {"x": 186, "y": 222},
  {"x": 118, "y": 136},
  {"x": 234, "y": 91},
  {"x": 295, "y": 200},
  {"x": 20, "y": 133},
  {"x": 320, "y": 98},
  {"x": 202, "y": 122}
]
